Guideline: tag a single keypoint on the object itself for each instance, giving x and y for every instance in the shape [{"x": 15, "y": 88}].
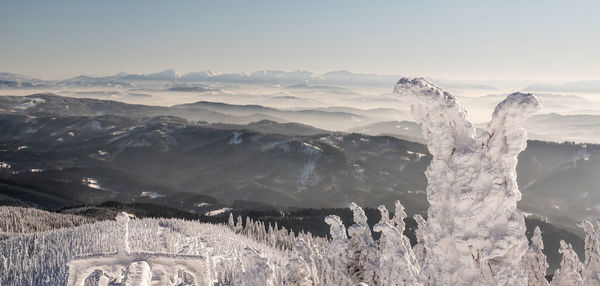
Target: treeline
[{"x": 26, "y": 220}]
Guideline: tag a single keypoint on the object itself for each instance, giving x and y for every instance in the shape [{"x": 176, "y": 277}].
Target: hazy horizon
[{"x": 538, "y": 40}]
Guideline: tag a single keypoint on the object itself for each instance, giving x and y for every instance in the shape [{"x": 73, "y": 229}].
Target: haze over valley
[{"x": 338, "y": 135}]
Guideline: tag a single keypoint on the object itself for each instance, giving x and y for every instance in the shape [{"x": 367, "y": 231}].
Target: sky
[{"x": 459, "y": 40}]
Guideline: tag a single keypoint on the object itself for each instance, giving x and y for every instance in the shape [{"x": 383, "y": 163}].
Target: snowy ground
[{"x": 173, "y": 247}]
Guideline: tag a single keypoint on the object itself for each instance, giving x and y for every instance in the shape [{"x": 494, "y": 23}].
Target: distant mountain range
[
  {"x": 266, "y": 76},
  {"x": 295, "y": 79}
]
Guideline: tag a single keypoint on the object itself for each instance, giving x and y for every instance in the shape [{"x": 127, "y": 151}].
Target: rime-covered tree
[
  {"x": 474, "y": 234},
  {"x": 397, "y": 264},
  {"x": 231, "y": 222},
  {"x": 571, "y": 269},
  {"x": 591, "y": 263}
]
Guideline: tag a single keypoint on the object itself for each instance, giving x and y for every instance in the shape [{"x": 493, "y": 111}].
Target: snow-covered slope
[{"x": 43, "y": 258}]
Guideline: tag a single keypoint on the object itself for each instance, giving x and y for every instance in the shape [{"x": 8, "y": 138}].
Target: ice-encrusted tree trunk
[
  {"x": 474, "y": 234},
  {"x": 534, "y": 261},
  {"x": 591, "y": 263},
  {"x": 569, "y": 273}
]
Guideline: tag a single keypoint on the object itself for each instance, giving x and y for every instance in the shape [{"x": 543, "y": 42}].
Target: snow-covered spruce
[
  {"x": 397, "y": 262},
  {"x": 591, "y": 263},
  {"x": 571, "y": 269},
  {"x": 362, "y": 259},
  {"x": 534, "y": 261}
]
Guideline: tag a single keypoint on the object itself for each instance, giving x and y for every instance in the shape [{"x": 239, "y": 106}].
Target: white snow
[
  {"x": 218, "y": 212},
  {"x": 203, "y": 205},
  {"x": 92, "y": 183},
  {"x": 152, "y": 195},
  {"x": 22, "y": 148},
  {"x": 118, "y": 132},
  {"x": 236, "y": 139},
  {"x": 29, "y": 104},
  {"x": 332, "y": 140},
  {"x": 417, "y": 154},
  {"x": 311, "y": 149},
  {"x": 35, "y": 170}
]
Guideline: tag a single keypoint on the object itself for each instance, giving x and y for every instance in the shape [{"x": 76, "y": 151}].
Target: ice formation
[{"x": 474, "y": 234}]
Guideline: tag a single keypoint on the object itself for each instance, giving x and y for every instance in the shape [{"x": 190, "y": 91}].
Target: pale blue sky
[{"x": 543, "y": 40}]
